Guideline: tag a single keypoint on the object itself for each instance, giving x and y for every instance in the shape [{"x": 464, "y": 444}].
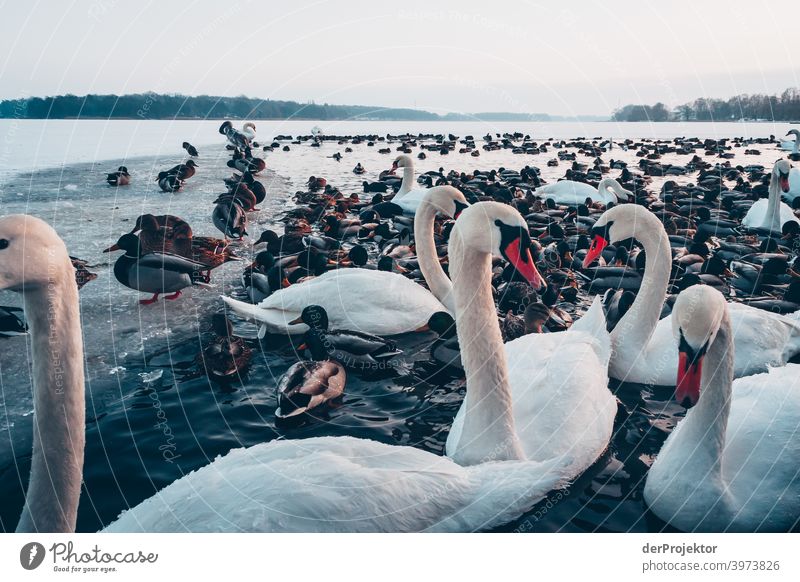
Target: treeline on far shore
[
  {"x": 173, "y": 106},
  {"x": 783, "y": 107}
]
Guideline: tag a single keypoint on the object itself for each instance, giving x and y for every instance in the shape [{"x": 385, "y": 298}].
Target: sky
[{"x": 557, "y": 57}]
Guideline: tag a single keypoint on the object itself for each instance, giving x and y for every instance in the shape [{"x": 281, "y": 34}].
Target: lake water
[{"x": 140, "y": 360}]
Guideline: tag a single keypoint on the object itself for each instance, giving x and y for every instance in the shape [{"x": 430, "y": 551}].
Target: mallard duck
[
  {"x": 288, "y": 244},
  {"x": 445, "y": 350},
  {"x": 119, "y": 178},
  {"x": 351, "y": 348},
  {"x": 170, "y": 183},
  {"x": 172, "y": 234},
  {"x": 227, "y": 355},
  {"x": 307, "y": 385},
  {"x": 155, "y": 273},
  {"x": 230, "y": 218},
  {"x": 190, "y": 149},
  {"x": 182, "y": 171},
  {"x": 12, "y": 321},
  {"x": 235, "y": 137}
]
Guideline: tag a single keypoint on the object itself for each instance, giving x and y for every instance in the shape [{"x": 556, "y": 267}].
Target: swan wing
[{"x": 341, "y": 484}]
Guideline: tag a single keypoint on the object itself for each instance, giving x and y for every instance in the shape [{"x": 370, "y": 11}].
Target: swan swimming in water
[
  {"x": 792, "y": 145},
  {"x": 644, "y": 349},
  {"x": 317, "y": 484},
  {"x": 409, "y": 196},
  {"x": 572, "y": 193},
  {"x": 362, "y": 300},
  {"x": 771, "y": 214},
  {"x": 731, "y": 463}
]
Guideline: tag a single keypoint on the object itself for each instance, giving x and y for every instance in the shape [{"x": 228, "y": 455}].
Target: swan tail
[
  {"x": 269, "y": 320},
  {"x": 504, "y": 490},
  {"x": 594, "y": 324}
]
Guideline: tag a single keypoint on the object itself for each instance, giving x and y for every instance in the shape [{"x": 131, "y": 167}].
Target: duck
[
  {"x": 730, "y": 465},
  {"x": 170, "y": 183},
  {"x": 12, "y": 321},
  {"x": 227, "y": 355},
  {"x": 230, "y": 218},
  {"x": 643, "y": 346},
  {"x": 352, "y": 349},
  {"x": 307, "y": 385},
  {"x": 771, "y": 214},
  {"x": 445, "y": 350},
  {"x": 182, "y": 171},
  {"x": 156, "y": 273},
  {"x": 119, "y": 178},
  {"x": 386, "y": 303},
  {"x": 288, "y": 244},
  {"x": 236, "y": 138},
  {"x": 172, "y": 234},
  {"x": 379, "y": 486},
  {"x": 190, "y": 149},
  {"x": 788, "y": 303},
  {"x": 570, "y": 193}
]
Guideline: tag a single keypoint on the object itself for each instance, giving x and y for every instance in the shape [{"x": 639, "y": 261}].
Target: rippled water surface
[{"x": 153, "y": 416}]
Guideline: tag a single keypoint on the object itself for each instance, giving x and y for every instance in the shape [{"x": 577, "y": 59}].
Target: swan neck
[
  {"x": 772, "y": 219},
  {"x": 438, "y": 282},
  {"x": 52, "y": 311},
  {"x": 488, "y": 432},
  {"x": 408, "y": 181},
  {"x": 703, "y": 430},
  {"x": 636, "y": 327}
]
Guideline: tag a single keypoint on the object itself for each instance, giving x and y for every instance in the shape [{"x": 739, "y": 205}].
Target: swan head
[
  {"x": 780, "y": 173},
  {"x": 794, "y": 132},
  {"x": 402, "y": 161},
  {"x": 249, "y": 125},
  {"x": 696, "y": 319},
  {"x": 32, "y": 255},
  {"x": 615, "y": 224},
  {"x": 447, "y": 200},
  {"x": 621, "y": 193},
  {"x": 498, "y": 229}
]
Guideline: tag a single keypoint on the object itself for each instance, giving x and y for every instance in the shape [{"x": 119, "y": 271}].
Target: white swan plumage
[
  {"x": 249, "y": 130},
  {"x": 377, "y": 302},
  {"x": 792, "y": 145},
  {"x": 409, "y": 196},
  {"x": 771, "y": 214},
  {"x": 572, "y": 193},
  {"x": 643, "y": 348},
  {"x": 732, "y": 463},
  {"x": 318, "y": 484},
  {"x": 557, "y": 382}
]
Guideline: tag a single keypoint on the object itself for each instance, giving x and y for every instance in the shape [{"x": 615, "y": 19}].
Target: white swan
[
  {"x": 572, "y": 193},
  {"x": 319, "y": 484},
  {"x": 794, "y": 185},
  {"x": 732, "y": 463},
  {"x": 792, "y": 145},
  {"x": 644, "y": 349},
  {"x": 249, "y": 130},
  {"x": 409, "y": 196},
  {"x": 559, "y": 400},
  {"x": 377, "y": 302},
  {"x": 771, "y": 214}
]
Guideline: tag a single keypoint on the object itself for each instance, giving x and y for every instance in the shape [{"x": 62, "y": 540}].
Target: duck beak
[
  {"x": 112, "y": 248},
  {"x": 523, "y": 263},
  {"x": 598, "y": 244},
  {"x": 285, "y": 283},
  {"x": 687, "y": 391},
  {"x": 296, "y": 321}
]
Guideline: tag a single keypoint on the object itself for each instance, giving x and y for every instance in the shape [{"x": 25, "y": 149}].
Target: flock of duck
[{"x": 694, "y": 287}]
